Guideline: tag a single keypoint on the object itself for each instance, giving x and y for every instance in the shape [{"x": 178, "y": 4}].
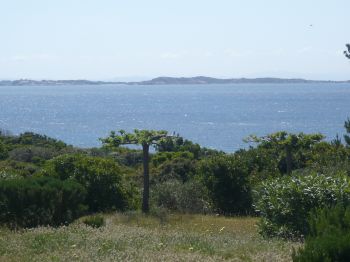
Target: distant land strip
[{"x": 198, "y": 80}]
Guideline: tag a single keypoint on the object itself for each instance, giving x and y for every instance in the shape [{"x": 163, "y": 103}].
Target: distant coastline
[{"x": 199, "y": 80}]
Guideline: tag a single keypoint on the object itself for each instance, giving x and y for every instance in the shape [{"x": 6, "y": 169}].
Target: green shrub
[
  {"x": 32, "y": 154},
  {"x": 284, "y": 203},
  {"x": 226, "y": 180},
  {"x": 329, "y": 238},
  {"x": 29, "y": 138},
  {"x": 189, "y": 197},
  {"x": 102, "y": 178},
  {"x": 95, "y": 221},
  {"x": 162, "y": 157},
  {"x": 3, "y": 151},
  {"x": 178, "y": 168},
  {"x": 291, "y": 151},
  {"x": 16, "y": 168},
  {"x": 260, "y": 163},
  {"x": 31, "y": 202},
  {"x": 126, "y": 156},
  {"x": 5, "y": 175},
  {"x": 178, "y": 144}
]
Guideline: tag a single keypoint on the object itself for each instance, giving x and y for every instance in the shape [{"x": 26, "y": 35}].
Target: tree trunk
[
  {"x": 145, "y": 198},
  {"x": 289, "y": 159}
]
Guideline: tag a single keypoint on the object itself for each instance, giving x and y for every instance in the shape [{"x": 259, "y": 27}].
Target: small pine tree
[
  {"x": 347, "y": 137},
  {"x": 329, "y": 238}
]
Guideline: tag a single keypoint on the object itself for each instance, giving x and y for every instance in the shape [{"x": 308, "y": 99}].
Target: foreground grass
[{"x": 134, "y": 237}]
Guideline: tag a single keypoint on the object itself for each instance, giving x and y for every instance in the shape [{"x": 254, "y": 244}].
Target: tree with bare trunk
[
  {"x": 287, "y": 145},
  {"x": 145, "y": 138}
]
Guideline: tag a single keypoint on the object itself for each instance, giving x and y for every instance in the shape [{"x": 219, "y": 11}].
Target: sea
[{"x": 215, "y": 116}]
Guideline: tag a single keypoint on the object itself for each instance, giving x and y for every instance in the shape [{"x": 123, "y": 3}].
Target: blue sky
[{"x": 105, "y": 39}]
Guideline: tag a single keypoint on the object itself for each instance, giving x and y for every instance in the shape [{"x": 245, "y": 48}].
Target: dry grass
[{"x": 134, "y": 237}]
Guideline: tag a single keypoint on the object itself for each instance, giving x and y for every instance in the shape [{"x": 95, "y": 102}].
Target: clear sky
[{"x": 134, "y": 39}]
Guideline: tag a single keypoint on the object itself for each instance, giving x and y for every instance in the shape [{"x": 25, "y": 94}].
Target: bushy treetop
[{"x": 141, "y": 137}]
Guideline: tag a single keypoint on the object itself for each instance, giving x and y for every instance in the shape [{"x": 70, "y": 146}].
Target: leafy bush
[
  {"x": 29, "y": 138},
  {"x": 95, "y": 221},
  {"x": 189, "y": 197},
  {"x": 5, "y": 175},
  {"x": 260, "y": 163},
  {"x": 226, "y": 180},
  {"x": 3, "y": 151},
  {"x": 178, "y": 144},
  {"x": 291, "y": 151},
  {"x": 16, "y": 168},
  {"x": 179, "y": 168},
  {"x": 40, "y": 201},
  {"x": 126, "y": 156},
  {"x": 162, "y": 157},
  {"x": 330, "y": 158},
  {"x": 329, "y": 238},
  {"x": 102, "y": 178},
  {"x": 285, "y": 203},
  {"x": 32, "y": 154}
]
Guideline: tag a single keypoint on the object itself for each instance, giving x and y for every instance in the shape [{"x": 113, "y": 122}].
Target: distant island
[
  {"x": 211, "y": 80},
  {"x": 29, "y": 82},
  {"x": 198, "y": 80}
]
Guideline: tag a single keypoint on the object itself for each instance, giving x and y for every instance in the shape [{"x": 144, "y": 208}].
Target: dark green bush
[
  {"x": 102, "y": 178},
  {"x": 291, "y": 151},
  {"x": 180, "y": 168},
  {"x": 29, "y": 138},
  {"x": 178, "y": 144},
  {"x": 32, "y": 202},
  {"x": 189, "y": 197},
  {"x": 285, "y": 203},
  {"x": 126, "y": 156},
  {"x": 95, "y": 221},
  {"x": 330, "y": 158},
  {"x": 32, "y": 154},
  {"x": 226, "y": 180},
  {"x": 3, "y": 151},
  {"x": 329, "y": 238},
  {"x": 162, "y": 157},
  {"x": 260, "y": 163}
]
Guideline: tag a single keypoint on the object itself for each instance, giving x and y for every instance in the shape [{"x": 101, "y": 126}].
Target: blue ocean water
[{"x": 216, "y": 116}]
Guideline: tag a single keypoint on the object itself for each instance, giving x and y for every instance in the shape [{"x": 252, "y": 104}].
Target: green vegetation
[
  {"x": 347, "y": 137},
  {"x": 188, "y": 197},
  {"x": 182, "y": 189},
  {"x": 285, "y": 203},
  {"x": 292, "y": 150},
  {"x": 145, "y": 138},
  {"x": 136, "y": 237},
  {"x": 329, "y": 236},
  {"x": 101, "y": 177},
  {"x": 40, "y": 201},
  {"x": 95, "y": 221},
  {"x": 226, "y": 180}
]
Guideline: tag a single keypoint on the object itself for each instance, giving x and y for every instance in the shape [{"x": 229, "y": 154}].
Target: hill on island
[{"x": 198, "y": 80}]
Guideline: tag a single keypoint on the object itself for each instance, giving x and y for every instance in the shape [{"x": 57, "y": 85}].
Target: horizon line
[{"x": 171, "y": 77}]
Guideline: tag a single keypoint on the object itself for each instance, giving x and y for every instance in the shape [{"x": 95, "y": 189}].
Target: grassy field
[{"x": 134, "y": 237}]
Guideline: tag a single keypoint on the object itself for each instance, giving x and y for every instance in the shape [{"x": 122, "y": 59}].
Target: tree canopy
[
  {"x": 139, "y": 137},
  {"x": 288, "y": 143}
]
